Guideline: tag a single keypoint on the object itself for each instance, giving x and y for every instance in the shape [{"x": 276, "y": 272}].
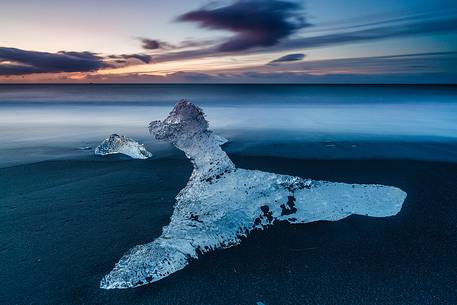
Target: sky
[{"x": 238, "y": 41}]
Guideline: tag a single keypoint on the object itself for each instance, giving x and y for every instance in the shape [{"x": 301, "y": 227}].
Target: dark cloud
[
  {"x": 143, "y": 58},
  {"x": 22, "y": 62},
  {"x": 13, "y": 69},
  {"x": 288, "y": 58},
  {"x": 256, "y": 23},
  {"x": 363, "y": 32},
  {"x": 155, "y": 44},
  {"x": 150, "y": 44}
]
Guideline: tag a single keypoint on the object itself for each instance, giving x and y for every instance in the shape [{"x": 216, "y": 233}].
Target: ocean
[
  {"x": 67, "y": 216},
  {"x": 320, "y": 121}
]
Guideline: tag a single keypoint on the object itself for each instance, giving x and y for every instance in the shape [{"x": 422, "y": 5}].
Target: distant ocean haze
[{"x": 66, "y": 117}]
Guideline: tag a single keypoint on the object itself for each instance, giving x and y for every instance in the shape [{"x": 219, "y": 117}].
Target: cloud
[
  {"x": 141, "y": 57},
  {"x": 123, "y": 78},
  {"x": 151, "y": 44},
  {"x": 20, "y": 62},
  {"x": 155, "y": 44},
  {"x": 255, "y": 23},
  {"x": 405, "y": 64},
  {"x": 13, "y": 69},
  {"x": 288, "y": 58},
  {"x": 191, "y": 43},
  {"x": 362, "y": 32},
  {"x": 432, "y": 68},
  {"x": 279, "y": 78},
  {"x": 391, "y": 30},
  {"x": 124, "y": 58}
]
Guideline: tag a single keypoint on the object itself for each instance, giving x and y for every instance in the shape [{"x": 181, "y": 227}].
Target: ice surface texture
[
  {"x": 222, "y": 203},
  {"x": 117, "y": 144}
]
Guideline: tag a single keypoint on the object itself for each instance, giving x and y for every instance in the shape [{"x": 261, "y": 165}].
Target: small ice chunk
[{"x": 117, "y": 144}]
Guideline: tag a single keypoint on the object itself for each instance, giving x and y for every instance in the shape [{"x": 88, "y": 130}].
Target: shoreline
[
  {"x": 66, "y": 222},
  {"x": 441, "y": 150}
]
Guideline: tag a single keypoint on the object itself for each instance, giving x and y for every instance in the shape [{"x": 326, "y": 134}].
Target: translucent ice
[
  {"x": 117, "y": 144},
  {"x": 222, "y": 203}
]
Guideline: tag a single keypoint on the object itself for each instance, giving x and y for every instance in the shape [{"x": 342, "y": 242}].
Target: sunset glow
[{"x": 227, "y": 41}]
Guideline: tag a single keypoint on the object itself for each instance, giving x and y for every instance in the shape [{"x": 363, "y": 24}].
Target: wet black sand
[{"x": 63, "y": 225}]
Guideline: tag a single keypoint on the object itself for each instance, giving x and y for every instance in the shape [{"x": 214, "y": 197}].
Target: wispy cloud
[
  {"x": 151, "y": 44},
  {"x": 288, "y": 58},
  {"x": 155, "y": 44},
  {"x": 414, "y": 27},
  {"x": 419, "y": 63},
  {"x": 433, "y": 67},
  {"x": 160, "y": 45},
  {"x": 124, "y": 58}
]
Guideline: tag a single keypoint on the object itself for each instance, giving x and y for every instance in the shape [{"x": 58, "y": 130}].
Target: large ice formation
[
  {"x": 117, "y": 144},
  {"x": 222, "y": 203}
]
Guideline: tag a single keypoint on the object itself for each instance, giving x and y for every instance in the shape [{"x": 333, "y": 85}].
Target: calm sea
[{"x": 40, "y": 122}]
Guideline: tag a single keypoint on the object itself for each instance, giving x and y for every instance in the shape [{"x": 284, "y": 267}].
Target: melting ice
[
  {"x": 222, "y": 203},
  {"x": 117, "y": 144}
]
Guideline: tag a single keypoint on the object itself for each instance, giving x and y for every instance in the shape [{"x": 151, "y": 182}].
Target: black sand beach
[{"x": 65, "y": 223}]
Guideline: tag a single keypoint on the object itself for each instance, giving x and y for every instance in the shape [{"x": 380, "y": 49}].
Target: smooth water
[{"x": 40, "y": 122}]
